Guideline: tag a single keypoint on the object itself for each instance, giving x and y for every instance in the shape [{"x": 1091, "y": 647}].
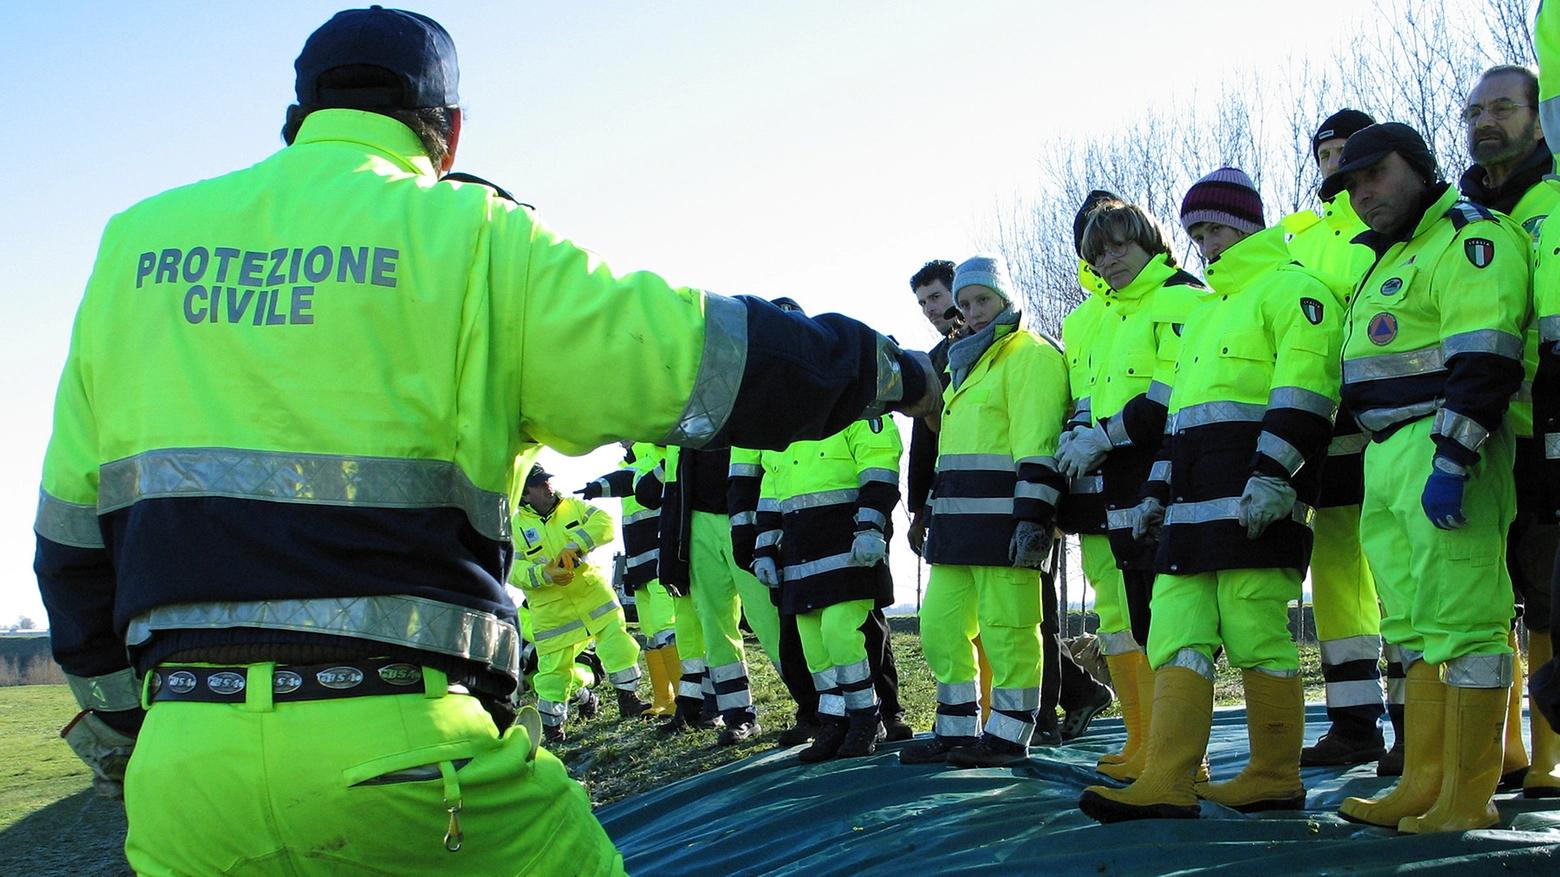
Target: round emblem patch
[
  {"x": 340, "y": 678},
  {"x": 1392, "y": 286},
  {"x": 226, "y": 682},
  {"x": 1480, "y": 251},
  {"x": 285, "y": 682},
  {"x": 181, "y": 682},
  {"x": 1383, "y": 328},
  {"x": 401, "y": 674}
]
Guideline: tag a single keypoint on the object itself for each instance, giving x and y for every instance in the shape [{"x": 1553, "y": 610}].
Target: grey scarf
[{"x": 963, "y": 355}]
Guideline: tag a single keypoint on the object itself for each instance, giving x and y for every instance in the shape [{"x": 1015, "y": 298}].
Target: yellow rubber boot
[
  {"x": 1134, "y": 766},
  {"x": 1515, "y": 760},
  {"x": 1177, "y": 739},
  {"x": 1424, "y": 725},
  {"x": 665, "y": 669},
  {"x": 1124, "y": 670},
  {"x": 1275, "y": 725},
  {"x": 1543, "y": 778},
  {"x": 1470, "y": 763}
]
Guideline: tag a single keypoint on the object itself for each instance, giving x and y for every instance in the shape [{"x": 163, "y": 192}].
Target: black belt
[{"x": 173, "y": 682}]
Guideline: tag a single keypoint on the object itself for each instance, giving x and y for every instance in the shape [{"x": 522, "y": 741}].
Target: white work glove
[
  {"x": 868, "y": 549},
  {"x": 1030, "y": 546},
  {"x": 1147, "y": 518},
  {"x": 1063, "y": 440},
  {"x": 766, "y": 571},
  {"x": 1085, "y": 452},
  {"x": 104, "y": 749},
  {"x": 1265, "y": 500}
]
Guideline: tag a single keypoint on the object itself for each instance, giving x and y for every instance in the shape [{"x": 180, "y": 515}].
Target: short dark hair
[
  {"x": 1117, "y": 223},
  {"x": 1529, "y": 80},
  {"x": 432, "y": 125},
  {"x": 931, "y": 272}
]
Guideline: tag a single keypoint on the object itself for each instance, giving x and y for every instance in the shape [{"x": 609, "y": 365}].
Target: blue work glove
[
  {"x": 1443, "y": 496},
  {"x": 766, "y": 572}
]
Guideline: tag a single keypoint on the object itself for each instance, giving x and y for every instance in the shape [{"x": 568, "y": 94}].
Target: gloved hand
[
  {"x": 556, "y": 573},
  {"x": 1266, "y": 500},
  {"x": 1147, "y": 519},
  {"x": 104, "y": 749},
  {"x": 569, "y": 557},
  {"x": 868, "y": 549},
  {"x": 1085, "y": 452},
  {"x": 1030, "y": 546},
  {"x": 591, "y": 490},
  {"x": 917, "y": 533},
  {"x": 1443, "y": 496},
  {"x": 1063, "y": 440},
  {"x": 766, "y": 571}
]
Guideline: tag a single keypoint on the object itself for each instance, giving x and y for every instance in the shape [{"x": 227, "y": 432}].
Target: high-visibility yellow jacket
[
  {"x": 1255, "y": 393},
  {"x": 815, "y": 497},
  {"x": 996, "y": 453},
  {"x": 1436, "y": 327},
  {"x": 295, "y": 393},
  {"x": 563, "y": 615}
]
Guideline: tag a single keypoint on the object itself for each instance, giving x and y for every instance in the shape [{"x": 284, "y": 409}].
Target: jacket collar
[
  {"x": 1250, "y": 258},
  {"x": 1153, "y": 276},
  {"x": 1439, "y": 199},
  {"x": 1505, "y": 196},
  {"x": 382, "y": 135}
]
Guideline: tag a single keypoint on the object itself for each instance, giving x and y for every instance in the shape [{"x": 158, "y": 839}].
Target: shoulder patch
[
  {"x": 500, "y": 191},
  {"x": 1464, "y": 212},
  {"x": 875, "y": 424},
  {"x": 1480, "y": 251},
  {"x": 1312, "y": 310}
]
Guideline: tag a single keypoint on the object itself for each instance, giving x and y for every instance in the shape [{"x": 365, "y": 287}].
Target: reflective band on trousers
[
  {"x": 1088, "y": 484},
  {"x": 68, "y": 523},
  {"x": 1192, "y": 660},
  {"x": 1426, "y": 360},
  {"x": 309, "y": 479},
  {"x": 415, "y": 622},
  {"x": 1206, "y": 413},
  {"x": 111, "y": 692},
  {"x": 562, "y": 629},
  {"x": 1355, "y": 692},
  {"x": 1480, "y": 671},
  {"x": 1223, "y": 509},
  {"x": 1303, "y": 400},
  {"x": 1010, "y": 729},
  {"x": 1365, "y": 647},
  {"x": 843, "y": 496},
  {"x": 720, "y": 373}
]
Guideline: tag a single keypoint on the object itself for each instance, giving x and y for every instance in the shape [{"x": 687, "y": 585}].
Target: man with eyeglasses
[{"x": 1511, "y": 159}]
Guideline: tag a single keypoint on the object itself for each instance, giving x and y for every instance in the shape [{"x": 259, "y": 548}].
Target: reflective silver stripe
[
  {"x": 801, "y": 571},
  {"x": 1426, "y": 360},
  {"x": 111, "y": 692},
  {"x": 1348, "y": 445},
  {"x": 1160, "y": 471},
  {"x": 1552, "y": 445},
  {"x": 1480, "y": 671},
  {"x": 860, "y": 671},
  {"x": 1047, "y": 462},
  {"x": 831, "y": 705},
  {"x": 693, "y": 666},
  {"x": 734, "y": 700},
  {"x": 843, "y": 496},
  {"x": 1379, "y": 419},
  {"x": 1015, "y": 699},
  {"x": 1120, "y": 642},
  {"x": 1116, "y": 431},
  {"x": 1524, "y": 393},
  {"x": 729, "y": 672},
  {"x": 957, "y": 692},
  {"x": 968, "y": 462},
  {"x": 1223, "y": 509},
  {"x": 720, "y": 373},
  {"x": 663, "y": 638},
  {"x": 1121, "y": 519},
  {"x": 1205, "y": 413},
  {"x": 558, "y": 631},
  {"x": 744, "y": 519},
  {"x": 956, "y": 726},
  {"x": 1042, "y": 492},
  {"x": 1360, "y": 692},
  {"x": 397, "y": 619},
  {"x": 884, "y": 476},
  {"x": 579, "y": 534},
  {"x": 605, "y": 608},
  {"x": 745, "y": 470},
  {"x": 1158, "y": 392},
  {"x": 964, "y": 505},
  {"x": 1283, "y": 453},
  {"x": 310, "y": 479},
  {"x": 1193, "y": 660},
  {"x": 536, "y": 577},
  {"x": 1460, "y": 428},
  {"x": 1549, "y": 328},
  {"x": 890, "y": 383},
  {"x": 873, "y": 517},
  {"x": 1491, "y": 341},
  {"x": 768, "y": 504},
  {"x": 823, "y": 681},
  {"x": 1304, "y": 400},
  {"x": 767, "y": 538},
  {"x": 641, "y": 515},
  {"x": 1365, "y": 647},
  {"x": 1088, "y": 484},
  {"x": 862, "y": 697},
  {"x": 626, "y": 679},
  {"x": 1277, "y": 674},
  {"x": 1084, "y": 406},
  {"x": 552, "y": 713},
  {"x": 68, "y": 523},
  {"x": 644, "y": 557},
  {"x": 1009, "y": 728}
]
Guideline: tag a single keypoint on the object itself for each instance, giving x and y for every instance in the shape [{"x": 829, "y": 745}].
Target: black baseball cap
[
  {"x": 538, "y": 476},
  {"x": 1370, "y": 145},
  {"x": 414, "y": 47}
]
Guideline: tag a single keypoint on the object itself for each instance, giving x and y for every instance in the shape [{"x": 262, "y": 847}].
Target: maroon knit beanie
[{"x": 1227, "y": 197}]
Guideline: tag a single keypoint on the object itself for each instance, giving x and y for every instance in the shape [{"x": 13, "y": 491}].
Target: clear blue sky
[{"x": 821, "y": 150}]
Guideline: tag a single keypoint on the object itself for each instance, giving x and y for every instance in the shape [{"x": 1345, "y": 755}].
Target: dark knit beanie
[
  {"x": 1226, "y": 196},
  {"x": 1096, "y": 199},
  {"x": 1340, "y": 124}
]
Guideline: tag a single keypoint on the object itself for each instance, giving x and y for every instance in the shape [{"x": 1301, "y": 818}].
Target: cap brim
[{"x": 1340, "y": 178}]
